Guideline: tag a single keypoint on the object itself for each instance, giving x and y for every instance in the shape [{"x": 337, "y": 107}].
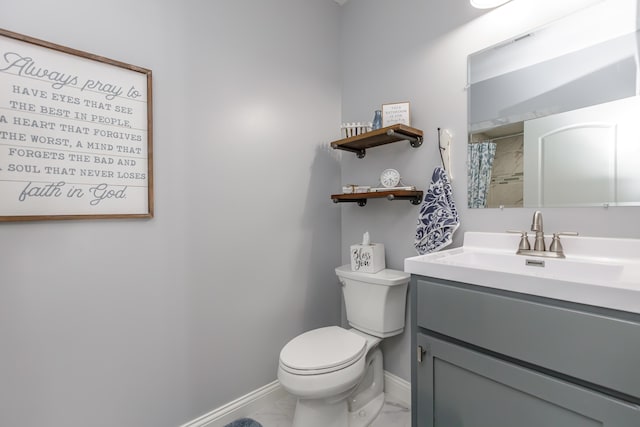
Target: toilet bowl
[{"x": 336, "y": 373}]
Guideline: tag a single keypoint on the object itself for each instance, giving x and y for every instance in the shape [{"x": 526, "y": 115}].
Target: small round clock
[{"x": 390, "y": 178}]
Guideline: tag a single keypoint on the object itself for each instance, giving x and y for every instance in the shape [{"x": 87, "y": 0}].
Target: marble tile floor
[{"x": 280, "y": 414}]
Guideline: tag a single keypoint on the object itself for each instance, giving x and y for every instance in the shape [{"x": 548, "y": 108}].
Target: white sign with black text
[{"x": 74, "y": 133}]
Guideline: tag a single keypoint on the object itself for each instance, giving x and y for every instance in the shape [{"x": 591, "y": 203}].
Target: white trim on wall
[
  {"x": 395, "y": 388},
  {"x": 241, "y": 407}
]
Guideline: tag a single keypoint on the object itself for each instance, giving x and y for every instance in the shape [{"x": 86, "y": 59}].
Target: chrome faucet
[{"x": 539, "y": 247}]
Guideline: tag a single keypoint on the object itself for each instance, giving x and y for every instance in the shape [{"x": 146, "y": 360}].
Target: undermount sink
[{"x": 603, "y": 272}]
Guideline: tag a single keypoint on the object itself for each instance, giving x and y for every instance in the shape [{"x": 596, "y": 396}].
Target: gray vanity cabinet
[{"x": 484, "y": 357}]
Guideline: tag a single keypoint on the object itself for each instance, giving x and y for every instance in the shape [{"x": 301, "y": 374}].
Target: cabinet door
[{"x": 459, "y": 387}]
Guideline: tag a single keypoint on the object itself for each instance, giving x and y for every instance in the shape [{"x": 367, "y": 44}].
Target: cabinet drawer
[{"x": 593, "y": 347}]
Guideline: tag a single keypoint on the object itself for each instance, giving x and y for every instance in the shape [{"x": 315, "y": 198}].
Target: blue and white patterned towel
[{"x": 438, "y": 217}]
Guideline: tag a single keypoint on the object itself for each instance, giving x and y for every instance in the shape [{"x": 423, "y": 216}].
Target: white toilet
[{"x": 336, "y": 374}]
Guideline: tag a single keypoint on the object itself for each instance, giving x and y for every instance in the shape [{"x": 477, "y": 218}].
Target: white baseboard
[
  {"x": 394, "y": 387},
  {"x": 397, "y": 389},
  {"x": 241, "y": 407}
]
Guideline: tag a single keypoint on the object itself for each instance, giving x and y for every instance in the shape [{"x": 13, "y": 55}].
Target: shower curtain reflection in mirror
[{"x": 480, "y": 157}]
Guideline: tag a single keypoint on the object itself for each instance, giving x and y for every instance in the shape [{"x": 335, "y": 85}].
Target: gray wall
[
  {"x": 416, "y": 50},
  {"x": 151, "y": 323}
]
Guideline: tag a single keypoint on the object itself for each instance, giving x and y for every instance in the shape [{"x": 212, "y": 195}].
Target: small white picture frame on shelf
[{"x": 395, "y": 113}]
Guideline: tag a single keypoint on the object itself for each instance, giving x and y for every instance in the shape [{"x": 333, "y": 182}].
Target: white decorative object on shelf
[
  {"x": 390, "y": 178},
  {"x": 405, "y": 188},
  {"x": 355, "y": 189},
  {"x": 348, "y": 130}
]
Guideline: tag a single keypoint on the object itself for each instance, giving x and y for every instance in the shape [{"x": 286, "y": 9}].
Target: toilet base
[
  {"x": 313, "y": 413},
  {"x": 320, "y": 413},
  {"x": 355, "y": 408},
  {"x": 368, "y": 413}
]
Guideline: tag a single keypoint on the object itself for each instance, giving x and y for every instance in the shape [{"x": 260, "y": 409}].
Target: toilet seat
[{"x": 322, "y": 351}]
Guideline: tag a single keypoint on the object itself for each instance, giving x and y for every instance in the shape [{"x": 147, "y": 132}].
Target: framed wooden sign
[
  {"x": 75, "y": 134},
  {"x": 395, "y": 113}
]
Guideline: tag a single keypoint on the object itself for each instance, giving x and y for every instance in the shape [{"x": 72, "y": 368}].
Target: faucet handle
[
  {"x": 556, "y": 246},
  {"x": 524, "y": 240}
]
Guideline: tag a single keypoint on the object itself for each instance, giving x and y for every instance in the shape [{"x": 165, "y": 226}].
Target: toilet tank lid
[{"x": 386, "y": 277}]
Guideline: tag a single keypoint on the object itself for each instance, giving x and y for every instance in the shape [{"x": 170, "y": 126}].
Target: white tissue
[{"x": 366, "y": 240}]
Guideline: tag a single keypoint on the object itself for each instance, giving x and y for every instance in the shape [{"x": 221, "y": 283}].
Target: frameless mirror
[{"x": 554, "y": 115}]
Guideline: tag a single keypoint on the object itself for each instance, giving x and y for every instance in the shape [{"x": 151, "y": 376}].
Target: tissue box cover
[{"x": 367, "y": 258}]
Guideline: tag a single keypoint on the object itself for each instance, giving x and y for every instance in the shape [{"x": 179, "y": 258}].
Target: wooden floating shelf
[
  {"x": 358, "y": 144},
  {"x": 414, "y": 196}
]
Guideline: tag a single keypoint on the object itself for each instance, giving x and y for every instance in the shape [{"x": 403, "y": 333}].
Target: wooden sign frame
[
  {"x": 396, "y": 113},
  {"x": 76, "y": 134}
]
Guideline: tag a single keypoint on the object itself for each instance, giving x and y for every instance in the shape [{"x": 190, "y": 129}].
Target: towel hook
[{"x": 444, "y": 150}]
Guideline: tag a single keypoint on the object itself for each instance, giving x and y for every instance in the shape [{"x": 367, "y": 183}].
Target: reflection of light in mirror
[
  {"x": 581, "y": 29},
  {"x": 487, "y": 4},
  {"x": 600, "y": 73},
  {"x": 518, "y": 16}
]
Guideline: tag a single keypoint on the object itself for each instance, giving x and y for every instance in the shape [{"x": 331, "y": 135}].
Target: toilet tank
[{"x": 375, "y": 302}]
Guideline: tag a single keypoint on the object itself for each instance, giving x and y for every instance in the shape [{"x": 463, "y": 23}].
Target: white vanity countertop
[{"x": 603, "y": 272}]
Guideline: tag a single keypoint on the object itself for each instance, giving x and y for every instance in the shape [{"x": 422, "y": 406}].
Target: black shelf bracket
[
  {"x": 360, "y": 202},
  {"x": 415, "y": 200},
  {"x": 415, "y": 141}
]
